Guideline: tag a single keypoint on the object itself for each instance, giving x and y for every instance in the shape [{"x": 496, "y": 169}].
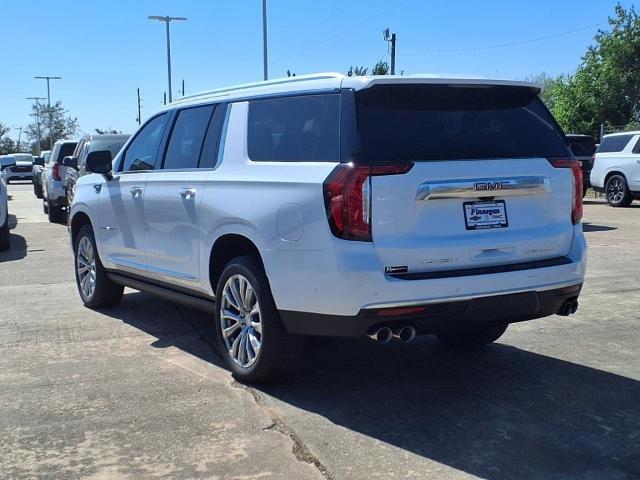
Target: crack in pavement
[{"x": 299, "y": 450}]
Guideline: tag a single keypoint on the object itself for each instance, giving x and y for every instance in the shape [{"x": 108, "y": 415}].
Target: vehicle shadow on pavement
[
  {"x": 498, "y": 413},
  {"x": 17, "y": 249},
  {"x": 590, "y": 227}
]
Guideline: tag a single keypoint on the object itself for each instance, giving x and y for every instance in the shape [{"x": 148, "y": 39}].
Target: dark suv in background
[
  {"x": 73, "y": 167},
  {"x": 583, "y": 148}
]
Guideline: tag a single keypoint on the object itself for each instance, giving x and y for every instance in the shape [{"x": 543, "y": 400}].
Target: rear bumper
[
  {"x": 435, "y": 317},
  {"x": 18, "y": 175}
]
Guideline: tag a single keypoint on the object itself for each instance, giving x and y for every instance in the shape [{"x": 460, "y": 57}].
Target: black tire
[
  {"x": 617, "y": 191},
  {"x": 45, "y": 208},
  {"x": 37, "y": 190},
  {"x": 278, "y": 350},
  {"x": 54, "y": 212},
  {"x": 473, "y": 336},
  {"x": 4, "y": 235},
  {"x": 106, "y": 293}
]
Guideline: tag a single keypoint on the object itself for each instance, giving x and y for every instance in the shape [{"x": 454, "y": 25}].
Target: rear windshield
[
  {"x": 112, "y": 145},
  {"x": 582, "y": 146},
  {"x": 66, "y": 150},
  {"x": 442, "y": 122},
  {"x": 615, "y": 143}
]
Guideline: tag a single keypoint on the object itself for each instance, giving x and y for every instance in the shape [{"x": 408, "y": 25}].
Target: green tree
[
  {"x": 606, "y": 86},
  {"x": 102, "y": 131},
  {"x": 380, "y": 68},
  {"x": 64, "y": 126},
  {"x": 7, "y": 145},
  {"x": 357, "y": 71}
]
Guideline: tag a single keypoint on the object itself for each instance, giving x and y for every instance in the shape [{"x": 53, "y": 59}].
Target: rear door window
[
  {"x": 142, "y": 151},
  {"x": 185, "y": 142},
  {"x": 614, "y": 143},
  {"x": 454, "y": 122},
  {"x": 294, "y": 129}
]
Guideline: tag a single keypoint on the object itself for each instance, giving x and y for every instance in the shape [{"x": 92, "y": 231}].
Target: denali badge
[{"x": 484, "y": 186}]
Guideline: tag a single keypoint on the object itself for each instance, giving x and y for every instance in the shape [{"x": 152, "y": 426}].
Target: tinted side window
[
  {"x": 141, "y": 153},
  {"x": 187, "y": 136},
  {"x": 294, "y": 129},
  {"x": 582, "y": 147},
  {"x": 211, "y": 147},
  {"x": 615, "y": 143},
  {"x": 636, "y": 148}
]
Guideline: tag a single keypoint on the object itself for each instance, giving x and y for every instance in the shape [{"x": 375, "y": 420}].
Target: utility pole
[
  {"x": 182, "y": 91},
  {"x": 139, "y": 119},
  {"x": 19, "y": 138},
  {"x": 264, "y": 40},
  {"x": 49, "y": 107},
  {"x": 37, "y": 115},
  {"x": 167, "y": 20},
  {"x": 391, "y": 39},
  {"x": 165, "y": 98}
]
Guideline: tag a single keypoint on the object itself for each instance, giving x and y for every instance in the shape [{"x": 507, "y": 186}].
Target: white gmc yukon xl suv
[{"x": 339, "y": 206}]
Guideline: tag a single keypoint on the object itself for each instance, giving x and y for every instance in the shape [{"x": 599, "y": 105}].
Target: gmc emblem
[{"x": 483, "y": 186}]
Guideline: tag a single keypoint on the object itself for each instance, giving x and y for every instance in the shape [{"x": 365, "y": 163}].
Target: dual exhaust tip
[{"x": 385, "y": 334}]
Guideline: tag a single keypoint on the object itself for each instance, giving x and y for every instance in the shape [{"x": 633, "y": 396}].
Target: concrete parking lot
[{"x": 137, "y": 391}]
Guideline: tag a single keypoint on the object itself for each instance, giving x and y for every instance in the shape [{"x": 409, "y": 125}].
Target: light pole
[
  {"x": 264, "y": 40},
  {"x": 167, "y": 20},
  {"x": 37, "y": 115},
  {"x": 49, "y": 106}
]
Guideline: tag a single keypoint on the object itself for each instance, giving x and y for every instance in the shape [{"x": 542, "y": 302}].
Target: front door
[{"x": 121, "y": 210}]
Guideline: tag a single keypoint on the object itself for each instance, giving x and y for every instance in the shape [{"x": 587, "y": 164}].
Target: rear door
[
  {"x": 481, "y": 191},
  {"x": 174, "y": 229}
]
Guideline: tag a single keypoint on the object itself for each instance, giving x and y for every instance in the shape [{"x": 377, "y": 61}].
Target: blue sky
[{"x": 105, "y": 50}]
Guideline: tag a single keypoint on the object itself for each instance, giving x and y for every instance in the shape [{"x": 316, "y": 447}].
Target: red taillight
[
  {"x": 347, "y": 198},
  {"x": 55, "y": 171},
  {"x": 574, "y": 165}
]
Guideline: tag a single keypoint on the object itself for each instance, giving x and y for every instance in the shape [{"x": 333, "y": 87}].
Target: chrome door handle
[
  {"x": 188, "y": 193},
  {"x": 136, "y": 192}
]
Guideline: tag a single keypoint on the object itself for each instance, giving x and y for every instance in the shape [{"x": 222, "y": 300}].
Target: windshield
[{"x": 454, "y": 122}]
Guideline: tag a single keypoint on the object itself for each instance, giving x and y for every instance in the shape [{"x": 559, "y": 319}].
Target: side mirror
[
  {"x": 100, "y": 162},
  {"x": 70, "y": 162},
  {"x": 38, "y": 161}
]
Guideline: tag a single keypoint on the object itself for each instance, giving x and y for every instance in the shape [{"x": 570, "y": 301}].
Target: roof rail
[{"x": 275, "y": 81}]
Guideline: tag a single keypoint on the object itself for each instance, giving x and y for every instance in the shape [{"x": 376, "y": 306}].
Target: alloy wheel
[
  {"x": 86, "y": 267},
  {"x": 615, "y": 190},
  {"x": 240, "y": 321}
]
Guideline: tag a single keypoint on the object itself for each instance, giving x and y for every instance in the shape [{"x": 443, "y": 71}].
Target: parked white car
[
  {"x": 21, "y": 168},
  {"x": 341, "y": 206},
  {"x": 54, "y": 197},
  {"x": 4, "y": 216},
  {"x": 616, "y": 168}
]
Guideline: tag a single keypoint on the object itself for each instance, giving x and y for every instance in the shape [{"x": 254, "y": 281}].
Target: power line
[{"x": 509, "y": 44}]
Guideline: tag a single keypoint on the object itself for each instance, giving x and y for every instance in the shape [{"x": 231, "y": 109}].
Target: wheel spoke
[
  {"x": 235, "y": 293},
  {"x": 230, "y": 301},
  {"x": 227, "y": 332}
]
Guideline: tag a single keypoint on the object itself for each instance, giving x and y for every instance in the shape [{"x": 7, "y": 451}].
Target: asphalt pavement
[{"x": 138, "y": 391}]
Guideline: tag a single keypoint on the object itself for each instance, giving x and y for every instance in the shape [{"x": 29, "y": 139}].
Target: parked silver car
[{"x": 38, "y": 167}]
